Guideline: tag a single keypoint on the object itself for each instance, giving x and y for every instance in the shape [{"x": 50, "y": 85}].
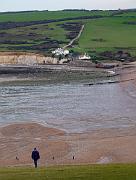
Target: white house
[
  {"x": 84, "y": 57},
  {"x": 60, "y": 51}
]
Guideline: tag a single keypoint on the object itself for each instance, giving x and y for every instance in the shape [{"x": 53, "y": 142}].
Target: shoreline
[
  {"x": 89, "y": 76},
  {"x": 13, "y": 69},
  {"x": 104, "y": 146},
  {"x": 50, "y": 74},
  {"x": 28, "y": 71}
]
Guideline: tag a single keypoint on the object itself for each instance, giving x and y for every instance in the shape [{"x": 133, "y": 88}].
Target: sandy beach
[
  {"x": 102, "y": 146},
  {"x": 57, "y": 147}
]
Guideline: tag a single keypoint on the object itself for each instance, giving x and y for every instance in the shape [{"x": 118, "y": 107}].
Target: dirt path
[{"x": 76, "y": 38}]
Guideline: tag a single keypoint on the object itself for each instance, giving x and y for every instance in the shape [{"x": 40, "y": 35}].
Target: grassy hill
[
  {"x": 94, "y": 172},
  {"x": 109, "y": 34},
  {"x": 43, "y": 31},
  {"x": 46, "y": 15}
]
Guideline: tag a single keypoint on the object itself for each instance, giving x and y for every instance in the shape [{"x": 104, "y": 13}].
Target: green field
[
  {"x": 29, "y": 31},
  {"x": 109, "y": 33},
  {"x": 45, "y": 15},
  {"x": 94, "y": 172},
  {"x": 130, "y": 14}
]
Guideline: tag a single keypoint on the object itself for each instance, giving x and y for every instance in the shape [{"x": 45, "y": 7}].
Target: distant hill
[{"x": 43, "y": 31}]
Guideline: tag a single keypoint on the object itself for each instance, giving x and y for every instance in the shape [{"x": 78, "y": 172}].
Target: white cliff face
[{"x": 25, "y": 58}]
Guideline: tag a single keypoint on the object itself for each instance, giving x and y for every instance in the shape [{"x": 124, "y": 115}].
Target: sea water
[{"x": 73, "y": 107}]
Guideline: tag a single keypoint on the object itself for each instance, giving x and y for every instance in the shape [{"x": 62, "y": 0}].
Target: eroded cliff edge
[{"x": 26, "y": 58}]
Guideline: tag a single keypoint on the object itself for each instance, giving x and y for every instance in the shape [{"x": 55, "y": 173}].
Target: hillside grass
[
  {"x": 126, "y": 14},
  {"x": 52, "y": 31},
  {"x": 90, "y": 172},
  {"x": 40, "y": 33},
  {"x": 109, "y": 33},
  {"x": 46, "y": 15}
]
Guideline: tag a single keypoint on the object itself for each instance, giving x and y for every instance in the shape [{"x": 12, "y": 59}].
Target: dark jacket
[{"x": 35, "y": 155}]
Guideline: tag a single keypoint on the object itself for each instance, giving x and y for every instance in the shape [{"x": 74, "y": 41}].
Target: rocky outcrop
[{"x": 25, "y": 58}]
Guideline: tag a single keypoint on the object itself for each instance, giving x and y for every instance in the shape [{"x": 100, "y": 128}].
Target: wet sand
[
  {"x": 116, "y": 145},
  {"x": 18, "y": 140},
  {"x": 102, "y": 146}
]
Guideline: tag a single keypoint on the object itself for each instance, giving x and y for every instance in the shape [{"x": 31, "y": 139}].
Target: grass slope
[
  {"x": 110, "y": 33},
  {"x": 45, "y": 15},
  {"x": 94, "y": 172}
]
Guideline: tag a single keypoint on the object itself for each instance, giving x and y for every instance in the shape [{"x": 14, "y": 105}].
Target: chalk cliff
[{"x": 25, "y": 58}]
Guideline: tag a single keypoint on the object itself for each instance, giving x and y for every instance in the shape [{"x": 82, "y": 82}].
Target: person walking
[{"x": 35, "y": 156}]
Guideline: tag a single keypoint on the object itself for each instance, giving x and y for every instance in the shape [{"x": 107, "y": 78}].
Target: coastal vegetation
[
  {"x": 105, "y": 32},
  {"x": 28, "y": 16},
  {"x": 93, "y": 172}
]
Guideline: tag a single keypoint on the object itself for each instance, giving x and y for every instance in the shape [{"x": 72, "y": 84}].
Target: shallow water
[{"x": 73, "y": 107}]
